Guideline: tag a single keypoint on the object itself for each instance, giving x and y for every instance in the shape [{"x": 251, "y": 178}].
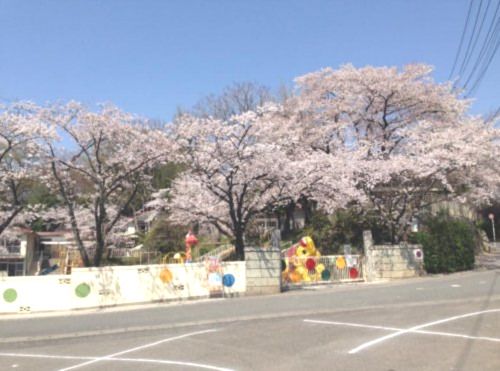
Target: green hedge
[{"x": 448, "y": 244}]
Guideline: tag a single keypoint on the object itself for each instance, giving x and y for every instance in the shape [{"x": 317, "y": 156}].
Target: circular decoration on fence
[
  {"x": 295, "y": 277},
  {"x": 340, "y": 262},
  {"x": 228, "y": 280},
  {"x": 325, "y": 275},
  {"x": 353, "y": 273},
  {"x": 310, "y": 264},
  {"x": 82, "y": 290},
  {"x": 283, "y": 265},
  {"x": 320, "y": 268},
  {"x": 301, "y": 270},
  {"x": 166, "y": 276},
  {"x": 291, "y": 251},
  {"x": 10, "y": 295}
]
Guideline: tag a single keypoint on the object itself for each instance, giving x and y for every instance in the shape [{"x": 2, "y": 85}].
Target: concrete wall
[
  {"x": 391, "y": 261},
  {"x": 110, "y": 286},
  {"x": 263, "y": 270}
]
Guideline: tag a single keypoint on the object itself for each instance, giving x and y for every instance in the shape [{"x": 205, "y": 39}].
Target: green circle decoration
[
  {"x": 325, "y": 275},
  {"x": 10, "y": 295},
  {"x": 82, "y": 290}
]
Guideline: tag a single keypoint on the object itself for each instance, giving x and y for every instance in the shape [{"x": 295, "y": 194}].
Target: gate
[{"x": 310, "y": 270}]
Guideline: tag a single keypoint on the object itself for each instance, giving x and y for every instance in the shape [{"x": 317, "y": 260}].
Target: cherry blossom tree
[
  {"x": 102, "y": 169},
  {"x": 22, "y": 133},
  {"x": 235, "y": 172},
  {"x": 438, "y": 163},
  {"x": 407, "y": 139}
]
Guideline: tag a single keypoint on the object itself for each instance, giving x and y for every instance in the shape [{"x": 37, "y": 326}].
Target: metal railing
[
  {"x": 10, "y": 250},
  {"x": 323, "y": 269},
  {"x": 217, "y": 252}
]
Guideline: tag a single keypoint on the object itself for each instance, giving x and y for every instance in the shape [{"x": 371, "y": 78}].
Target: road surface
[{"x": 433, "y": 323}]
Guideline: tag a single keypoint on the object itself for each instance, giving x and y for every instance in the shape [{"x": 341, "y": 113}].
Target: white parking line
[
  {"x": 413, "y": 329},
  {"x": 48, "y": 356},
  {"x": 105, "y": 358},
  {"x": 140, "y": 360},
  {"x": 439, "y": 333},
  {"x": 352, "y": 324}
]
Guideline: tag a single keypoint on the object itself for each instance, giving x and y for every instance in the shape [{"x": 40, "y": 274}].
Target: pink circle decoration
[
  {"x": 353, "y": 273},
  {"x": 310, "y": 264},
  {"x": 291, "y": 251}
]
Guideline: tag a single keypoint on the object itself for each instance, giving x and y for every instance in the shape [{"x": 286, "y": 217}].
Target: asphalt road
[{"x": 433, "y": 323}]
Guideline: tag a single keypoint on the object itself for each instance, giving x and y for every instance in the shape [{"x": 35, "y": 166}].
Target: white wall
[{"x": 114, "y": 286}]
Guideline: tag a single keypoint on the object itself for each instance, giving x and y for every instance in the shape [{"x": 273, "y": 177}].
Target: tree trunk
[
  {"x": 289, "y": 210},
  {"x": 307, "y": 208},
  {"x": 10, "y": 218},
  {"x": 99, "y": 249},
  {"x": 239, "y": 244},
  {"x": 71, "y": 214},
  {"x": 100, "y": 217},
  {"x": 394, "y": 234}
]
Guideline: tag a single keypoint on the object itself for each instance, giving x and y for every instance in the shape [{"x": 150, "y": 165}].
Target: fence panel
[{"x": 298, "y": 271}]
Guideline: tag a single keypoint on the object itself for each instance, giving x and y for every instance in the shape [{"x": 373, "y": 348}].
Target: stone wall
[
  {"x": 263, "y": 270},
  {"x": 391, "y": 261}
]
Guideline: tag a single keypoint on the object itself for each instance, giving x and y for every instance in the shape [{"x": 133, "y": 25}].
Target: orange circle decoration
[
  {"x": 353, "y": 273},
  {"x": 295, "y": 277},
  {"x": 340, "y": 262},
  {"x": 166, "y": 276}
]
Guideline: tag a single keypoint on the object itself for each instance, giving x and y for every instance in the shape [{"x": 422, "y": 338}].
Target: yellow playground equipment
[
  {"x": 301, "y": 263},
  {"x": 174, "y": 258}
]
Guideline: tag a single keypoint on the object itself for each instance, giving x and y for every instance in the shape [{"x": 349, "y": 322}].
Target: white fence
[{"x": 110, "y": 286}]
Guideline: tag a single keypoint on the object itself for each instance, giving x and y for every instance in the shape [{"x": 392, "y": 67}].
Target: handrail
[{"x": 217, "y": 252}]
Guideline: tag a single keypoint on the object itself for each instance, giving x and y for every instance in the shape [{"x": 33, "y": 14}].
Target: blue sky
[{"x": 150, "y": 56}]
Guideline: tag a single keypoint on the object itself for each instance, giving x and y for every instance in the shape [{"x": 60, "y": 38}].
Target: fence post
[
  {"x": 263, "y": 270},
  {"x": 367, "y": 250},
  {"x": 276, "y": 239}
]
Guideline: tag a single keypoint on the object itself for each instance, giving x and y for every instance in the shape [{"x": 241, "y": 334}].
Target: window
[{"x": 12, "y": 268}]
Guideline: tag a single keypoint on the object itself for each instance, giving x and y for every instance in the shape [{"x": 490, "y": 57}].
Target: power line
[
  {"x": 462, "y": 67},
  {"x": 489, "y": 36},
  {"x": 488, "y": 56},
  {"x": 461, "y": 39},
  {"x": 476, "y": 19},
  {"x": 474, "y": 43},
  {"x": 486, "y": 65}
]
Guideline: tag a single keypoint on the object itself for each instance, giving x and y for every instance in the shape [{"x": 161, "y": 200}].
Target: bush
[
  {"x": 331, "y": 232},
  {"x": 165, "y": 237},
  {"x": 448, "y": 244}
]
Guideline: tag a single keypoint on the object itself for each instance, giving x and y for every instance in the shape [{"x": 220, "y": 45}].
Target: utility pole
[{"x": 491, "y": 216}]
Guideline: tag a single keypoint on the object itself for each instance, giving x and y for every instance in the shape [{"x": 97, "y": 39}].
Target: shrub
[
  {"x": 165, "y": 237},
  {"x": 331, "y": 232},
  {"x": 448, "y": 244}
]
